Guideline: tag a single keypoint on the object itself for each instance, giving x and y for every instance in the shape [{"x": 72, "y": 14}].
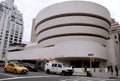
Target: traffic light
[{"x": 93, "y": 59}]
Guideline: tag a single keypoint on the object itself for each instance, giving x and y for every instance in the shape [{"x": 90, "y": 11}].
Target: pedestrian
[
  {"x": 116, "y": 69},
  {"x": 73, "y": 67},
  {"x": 108, "y": 68},
  {"x": 111, "y": 69},
  {"x": 85, "y": 68}
]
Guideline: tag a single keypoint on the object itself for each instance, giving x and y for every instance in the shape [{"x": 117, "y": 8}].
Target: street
[
  {"x": 53, "y": 78},
  {"x": 42, "y": 76}
]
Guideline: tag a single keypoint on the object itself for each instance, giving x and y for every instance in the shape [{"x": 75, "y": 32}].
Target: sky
[{"x": 30, "y": 8}]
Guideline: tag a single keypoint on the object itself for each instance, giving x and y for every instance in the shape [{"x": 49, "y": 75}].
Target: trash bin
[{"x": 89, "y": 74}]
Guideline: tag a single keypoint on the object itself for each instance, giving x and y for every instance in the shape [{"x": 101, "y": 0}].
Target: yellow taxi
[{"x": 15, "y": 68}]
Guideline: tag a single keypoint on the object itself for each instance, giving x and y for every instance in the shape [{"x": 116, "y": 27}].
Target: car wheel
[
  {"x": 15, "y": 71},
  {"x": 63, "y": 73},
  {"x": 48, "y": 71},
  {"x": 5, "y": 70},
  {"x": 24, "y": 72},
  {"x": 70, "y": 74}
]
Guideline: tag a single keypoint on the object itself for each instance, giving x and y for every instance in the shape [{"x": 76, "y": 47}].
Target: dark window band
[
  {"x": 72, "y": 14},
  {"x": 73, "y": 24},
  {"x": 49, "y": 46},
  {"x": 72, "y": 34}
]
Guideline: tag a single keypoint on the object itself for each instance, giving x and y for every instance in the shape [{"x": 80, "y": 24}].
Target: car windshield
[
  {"x": 64, "y": 65},
  {"x": 19, "y": 65}
]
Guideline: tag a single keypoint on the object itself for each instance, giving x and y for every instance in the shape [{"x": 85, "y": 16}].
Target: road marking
[
  {"x": 5, "y": 79},
  {"x": 70, "y": 79},
  {"x": 73, "y": 80},
  {"x": 96, "y": 79},
  {"x": 9, "y": 75},
  {"x": 88, "y": 79}
]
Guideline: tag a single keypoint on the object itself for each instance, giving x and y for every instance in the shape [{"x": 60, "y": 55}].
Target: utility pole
[{"x": 90, "y": 61}]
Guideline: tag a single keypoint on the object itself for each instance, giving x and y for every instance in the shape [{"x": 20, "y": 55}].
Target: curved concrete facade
[
  {"x": 81, "y": 49},
  {"x": 74, "y": 28},
  {"x": 67, "y": 20}
]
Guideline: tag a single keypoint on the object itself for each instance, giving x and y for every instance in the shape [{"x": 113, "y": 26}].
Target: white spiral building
[
  {"x": 76, "y": 29},
  {"x": 73, "y": 32}
]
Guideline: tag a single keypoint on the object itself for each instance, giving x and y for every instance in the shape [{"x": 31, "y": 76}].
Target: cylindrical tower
[
  {"x": 74, "y": 20},
  {"x": 81, "y": 22}
]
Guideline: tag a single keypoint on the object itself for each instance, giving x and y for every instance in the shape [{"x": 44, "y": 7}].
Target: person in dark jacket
[
  {"x": 116, "y": 69},
  {"x": 108, "y": 68},
  {"x": 85, "y": 68},
  {"x": 111, "y": 69}
]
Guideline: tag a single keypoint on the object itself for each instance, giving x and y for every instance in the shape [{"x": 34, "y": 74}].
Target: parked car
[
  {"x": 15, "y": 68},
  {"x": 31, "y": 67},
  {"x": 2, "y": 64},
  {"x": 58, "y": 68}
]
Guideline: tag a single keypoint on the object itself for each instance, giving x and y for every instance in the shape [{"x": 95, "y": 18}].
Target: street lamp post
[
  {"x": 90, "y": 64},
  {"x": 90, "y": 61}
]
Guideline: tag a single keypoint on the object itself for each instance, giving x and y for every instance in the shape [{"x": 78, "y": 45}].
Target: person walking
[
  {"x": 116, "y": 69},
  {"x": 85, "y": 68},
  {"x": 73, "y": 67},
  {"x": 108, "y": 68},
  {"x": 111, "y": 69}
]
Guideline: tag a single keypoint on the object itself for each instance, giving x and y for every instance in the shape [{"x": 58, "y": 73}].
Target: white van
[{"x": 58, "y": 68}]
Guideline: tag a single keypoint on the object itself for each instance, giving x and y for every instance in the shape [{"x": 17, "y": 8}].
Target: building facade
[
  {"x": 33, "y": 33},
  {"x": 11, "y": 26},
  {"x": 114, "y": 43},
  {"x": 76, "y": 29},
  {"x": 73, "y": 32}
]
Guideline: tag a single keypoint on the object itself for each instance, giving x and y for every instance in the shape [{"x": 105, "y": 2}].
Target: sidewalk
[{"x": 98, "y": 75}]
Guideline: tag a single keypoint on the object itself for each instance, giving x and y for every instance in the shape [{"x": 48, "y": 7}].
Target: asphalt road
[
  {"x": 53, "y": 78},
  {"x": 42, "y": 76}
]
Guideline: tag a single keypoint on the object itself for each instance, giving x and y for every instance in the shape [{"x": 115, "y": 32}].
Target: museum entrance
[
  {"x": 82, "y": 63},
  {"x": 79, "y": 62}
]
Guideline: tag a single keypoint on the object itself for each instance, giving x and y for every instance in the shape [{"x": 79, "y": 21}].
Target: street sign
[{"x": 90, "y": 54}]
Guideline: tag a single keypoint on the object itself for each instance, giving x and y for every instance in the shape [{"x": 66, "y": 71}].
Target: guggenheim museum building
[{"x": 72, "y": 32}]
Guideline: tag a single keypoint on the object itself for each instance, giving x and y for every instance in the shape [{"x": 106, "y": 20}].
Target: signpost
[{"x": 90, "y": 61}]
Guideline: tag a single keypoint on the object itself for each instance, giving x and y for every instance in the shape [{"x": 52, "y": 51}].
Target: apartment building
[{"x": 11, "y": 26}]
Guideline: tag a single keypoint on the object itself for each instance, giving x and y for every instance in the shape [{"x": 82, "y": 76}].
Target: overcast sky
[{"x": 30, "y": 9}]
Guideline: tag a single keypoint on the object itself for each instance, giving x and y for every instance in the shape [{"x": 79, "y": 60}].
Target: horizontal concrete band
[
  {"x": 72, "y": 24},
  {"x": 73, "y": 20},
  {"x": 58, "y": 40},
  {"x": 71, "y": 14},
  {"x": 73, "y": 29},
  {"x": 77, "y": 49},
  {"x": 72, "y": 34}
]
